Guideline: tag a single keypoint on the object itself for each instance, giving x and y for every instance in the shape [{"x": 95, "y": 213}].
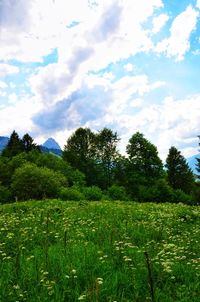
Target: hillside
[{"x": 99, "y": 251}]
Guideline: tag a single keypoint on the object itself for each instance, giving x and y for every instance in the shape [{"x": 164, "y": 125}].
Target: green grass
[{"x": 80, "y": 251}]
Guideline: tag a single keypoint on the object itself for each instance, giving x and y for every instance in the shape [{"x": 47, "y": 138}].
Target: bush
[
  {"x": 71, "y": 194},
  {"x": 32, "y": 182},
  {"x": 5, "y": 195},
  {"x": 93, "y": 193},
  {"x": 196, "y": 193},
  {"x": 158, "y": 192},
  {"x": 180, "y": 196},
  {"x": 117, "y": 193}
]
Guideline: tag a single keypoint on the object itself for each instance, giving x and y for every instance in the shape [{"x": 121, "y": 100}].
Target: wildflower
[
  {"x": 82, "y": 297},
  {"x": 100, "y": 280}
]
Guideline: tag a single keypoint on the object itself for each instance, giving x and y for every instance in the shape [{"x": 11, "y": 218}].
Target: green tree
[
  {"x": 4, "y": 171},
  {"x": 106, "y": 155},
  {"x": 28, "y": 143},
  {"x": 198, "y": 163},
  {"x": 143, "y": 155},
  {"x": 5, "y": 194},
  {"x": 32, "y": 182},
  {"x": 179, "y": 175},
  {"x": 57, "y": 164},
  {"x": 79, "y": 152},
  {"x": 120, "y": 170},
  {"x": 144, "y": 165},
  {"x": 14, "y": 146}
]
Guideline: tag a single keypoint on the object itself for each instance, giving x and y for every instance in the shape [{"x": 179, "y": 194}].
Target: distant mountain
[
  {"x": 192, "y": 162},
  {"x": 3, "y": 142},
  {"x": 51, "y": 146},
  {"x": 50, "y": 143},
  {"x": 47, "y": 150}
]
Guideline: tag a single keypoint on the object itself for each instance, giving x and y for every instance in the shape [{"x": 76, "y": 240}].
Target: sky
[{"x": 127, "y": 65}]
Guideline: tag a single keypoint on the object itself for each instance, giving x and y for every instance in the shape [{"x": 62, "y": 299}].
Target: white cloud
[
  {"x": 50, "y": 83},
  {"x": 40, "y": 30},
  {"x": 6, "y": 69},
  {"x": 3, "y": 85},
  {"x": 18, "y": 116},
  {"x": 179, "y": 41},
  {"x": 112, "y": 26},
  {"x": 198, "y": 4},
  {"x": 137, "y": 103},
  {"x": 159, "y": 22},
  {"x": 12, "y": 98},
  {"x": 170, "y": 123},
  {"x": 129, "y": 67}
]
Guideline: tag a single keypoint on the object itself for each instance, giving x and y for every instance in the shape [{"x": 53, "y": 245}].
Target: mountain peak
[{"x": 50, "y": 143}]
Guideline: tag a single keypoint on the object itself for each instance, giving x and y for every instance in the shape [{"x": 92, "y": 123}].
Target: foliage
[
  {"x": 181, "y": 196},
  {"x": 5, "y": 194},
  {"x": 120, "y": 170},
  {"x": 4, "y": 171},
  {"x": 116, "y": 192},
  {"x": 32, "y": 182},
  {"x": 14, "y": 146},
  {"x": 92, "y": 193},
  {"x": 179, "y": 175},
  {"x": 55, "y": 163},
  {"x": 71, "y": 193},
  {"x": 143, "y": 157},
  {"x": 28, "y": 144},
  {"x": 144, "y": 166},
  {"x": 106, "y": 146},
  {"x": 92, "y": 160},
  {"x": 80, "y": 152},
  {"x": 198, "y": 163},
  {"x": 196, "y": 192},
  {"x": 160, "y": 191}
]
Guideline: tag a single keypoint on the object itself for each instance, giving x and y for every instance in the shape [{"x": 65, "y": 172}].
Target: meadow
[{"x": 99, "y": 251}]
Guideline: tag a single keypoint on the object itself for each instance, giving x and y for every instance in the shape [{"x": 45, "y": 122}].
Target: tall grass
[{"x": 99, "y": 251}]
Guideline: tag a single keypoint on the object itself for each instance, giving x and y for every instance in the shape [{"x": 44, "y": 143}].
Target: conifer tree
[
  {"x": 179, "y": 174},
  {"x": 28, "y": 143},
  {"x": 14, "y": 146}
]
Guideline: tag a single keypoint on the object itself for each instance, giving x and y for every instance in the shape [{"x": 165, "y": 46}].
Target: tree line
[{"x": 92, "y": 168}]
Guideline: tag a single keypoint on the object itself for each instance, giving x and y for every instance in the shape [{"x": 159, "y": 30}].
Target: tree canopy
[
  {"x": 179, "y": 175},
  {"x": 92, "y": 167}
]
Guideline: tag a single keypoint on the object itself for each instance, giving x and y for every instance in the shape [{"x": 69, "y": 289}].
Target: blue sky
[{"x": 124, "y": 64}]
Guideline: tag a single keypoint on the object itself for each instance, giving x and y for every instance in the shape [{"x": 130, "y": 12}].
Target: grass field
[{"x": 99, "y": 251}]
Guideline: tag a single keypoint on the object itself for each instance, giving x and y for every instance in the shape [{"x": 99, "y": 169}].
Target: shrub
[
  {"x": 180, "y": 196},
  {"x": 5, "y": 195},
  {"x": 71, "y": 194},
  {"x": 158, "y": 192},
  {"x": 93, "y": 193},
  {"x": 116, "y": 192},
  {"x": 32, "y": 182},
  {"x": 196, "y": 193}
]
